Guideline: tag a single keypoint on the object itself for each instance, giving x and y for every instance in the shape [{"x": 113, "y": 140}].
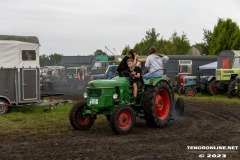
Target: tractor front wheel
[
  {"x": 190, "y": 92},
  {"x": 122, "y": 119},
  {"x": 78, "y": 120},
  {"x": 158, "y": 104},
  {"x": 213, "y": 88}
]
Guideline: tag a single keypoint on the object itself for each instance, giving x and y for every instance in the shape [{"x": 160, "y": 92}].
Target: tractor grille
[{"x": 94, "y": 92}]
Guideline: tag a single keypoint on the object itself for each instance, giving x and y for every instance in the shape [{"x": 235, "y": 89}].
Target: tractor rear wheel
[
  {"x": 77, "y": 119},
  {"x": 231, "y": 90},
  {"x": 158, "y": 104},
  {"x": 122, "y": 119},
  {"x": 4, "y": 107},
  {"x": 190, "y": 92},
  {"x": 212, "y": 88}
]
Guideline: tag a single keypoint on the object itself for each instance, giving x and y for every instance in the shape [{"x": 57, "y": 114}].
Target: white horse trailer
[{"x": 19, "y": 71}]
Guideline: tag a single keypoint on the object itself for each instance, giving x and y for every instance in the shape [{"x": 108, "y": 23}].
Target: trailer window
[
  {"x": 28, "y": 55},
  {"x": 185, "y": 69}
]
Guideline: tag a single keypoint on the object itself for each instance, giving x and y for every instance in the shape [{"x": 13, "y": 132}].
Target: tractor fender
[
  {"x": 6, "y": 99},
  {"x": 211, "y": 78},
  {"x": 155, "y": 81}
]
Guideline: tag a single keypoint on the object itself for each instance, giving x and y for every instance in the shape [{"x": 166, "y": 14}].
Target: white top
[
  {"x": 11, "y": 52},
  {"x": 155, "y": 62}
]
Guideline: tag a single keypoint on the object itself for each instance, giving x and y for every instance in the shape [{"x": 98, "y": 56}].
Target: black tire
[
  {"x": 156, "y": 114},
  {"x": 212, "y": 88},
  {"x": 190, "y": 92},
  {"x": 179, "y": 107},
  {"x": 238, "y": 94},
  {"x": 78, "y": 122},
  {"x": 231, "y": 93},
  {"x": 3, "y": 108},
  {"x": 122, "y": 119},
  {"x": 180, "y": 90}
]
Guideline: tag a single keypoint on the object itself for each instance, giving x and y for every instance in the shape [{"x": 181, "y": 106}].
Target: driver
[
  {"x": 137, "y": 77},
  {"x": 155, "y": 62}
]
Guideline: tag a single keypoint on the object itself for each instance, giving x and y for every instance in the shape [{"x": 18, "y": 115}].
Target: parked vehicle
[
  {"x": 110, "y": 73},
  {"x": 184, "y": 69},
  {"x": 20, "y": 72},
  {"x": 228, "y": 68}
]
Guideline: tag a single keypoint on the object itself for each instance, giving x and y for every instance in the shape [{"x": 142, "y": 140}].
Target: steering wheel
[{"x": 128, "y": 75}]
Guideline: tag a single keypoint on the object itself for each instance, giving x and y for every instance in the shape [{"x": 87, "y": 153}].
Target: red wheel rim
[
  {"x": 190, "y": 92},
  {"x": 214, "y": 88},
  {"x": 162, "y": 104},
  {"x": 124, "y": 120},
  {"x": 81, "y": 120}
]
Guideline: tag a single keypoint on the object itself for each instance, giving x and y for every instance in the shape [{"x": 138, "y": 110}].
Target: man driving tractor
[{"x": 137, "y": 77}]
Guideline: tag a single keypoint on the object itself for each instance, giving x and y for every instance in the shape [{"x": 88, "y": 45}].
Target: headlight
[
  {"x": 115, "y": 96},
  {"x": 85, "y": 95}
]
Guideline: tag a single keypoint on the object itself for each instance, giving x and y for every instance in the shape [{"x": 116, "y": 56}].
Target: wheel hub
[
  {"x": 124, "y": 120},
  {"x": 162, "y": 104}
]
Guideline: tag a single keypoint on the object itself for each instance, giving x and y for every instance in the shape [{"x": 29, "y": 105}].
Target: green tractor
[
  {"x": 113, "y": 98},
  {"x": 228, "y": 68}
]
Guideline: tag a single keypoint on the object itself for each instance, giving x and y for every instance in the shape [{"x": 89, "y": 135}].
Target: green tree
[
  {"x": 50, "y": 60},
  {"x": 150, "y": 39},
  {"x": 225, "y": 36},
  {"x": 125, "y": 50},
  {"x": 99, "y": 52},
  {"x": 175, "y": 45}
]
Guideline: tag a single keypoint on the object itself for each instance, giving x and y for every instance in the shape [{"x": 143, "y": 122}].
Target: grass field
[
  {"x": 35, "y": 121},
  {"x": 45, "y": 122}
]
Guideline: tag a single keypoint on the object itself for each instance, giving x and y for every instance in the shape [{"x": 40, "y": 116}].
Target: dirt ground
[{"x": 204, "y": 124}]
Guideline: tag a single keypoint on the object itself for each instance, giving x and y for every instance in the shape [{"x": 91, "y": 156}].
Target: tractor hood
[{"x": 108, "y": 83}]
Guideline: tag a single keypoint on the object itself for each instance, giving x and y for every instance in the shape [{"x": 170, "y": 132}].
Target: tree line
[{"x": 224, "y": 36}]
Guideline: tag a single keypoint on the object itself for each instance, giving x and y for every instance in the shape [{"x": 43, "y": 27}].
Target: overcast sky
[{"x": 79, "y": 27}]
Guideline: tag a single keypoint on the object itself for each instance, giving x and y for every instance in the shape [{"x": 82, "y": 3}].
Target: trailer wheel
[
  {"x": 190, "y": 92},
  {"x": 4, "y": 107},
  {"x": 122, "y": 119},
  {"x": 158, "y": 104},
  {"x": 231, "y": 90},
  {"x": 212, "y": 88},
  {"x": 77, "y": 119}
]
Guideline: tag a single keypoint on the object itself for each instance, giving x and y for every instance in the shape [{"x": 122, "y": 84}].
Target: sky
[{"x": 80, "y": 27}]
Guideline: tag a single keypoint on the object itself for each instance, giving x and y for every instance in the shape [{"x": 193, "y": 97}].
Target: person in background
[
  {"x": 137, "y": 81},
  {"x": 123, "y": 66},
  {"x": 155, "y": 64}
]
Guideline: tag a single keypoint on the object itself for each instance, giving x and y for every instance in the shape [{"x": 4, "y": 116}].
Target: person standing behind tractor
[
  {"x": 137, "y": 77},
  {"x": 123, "y": 66},
  {"x": 155, "y": 64}
]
